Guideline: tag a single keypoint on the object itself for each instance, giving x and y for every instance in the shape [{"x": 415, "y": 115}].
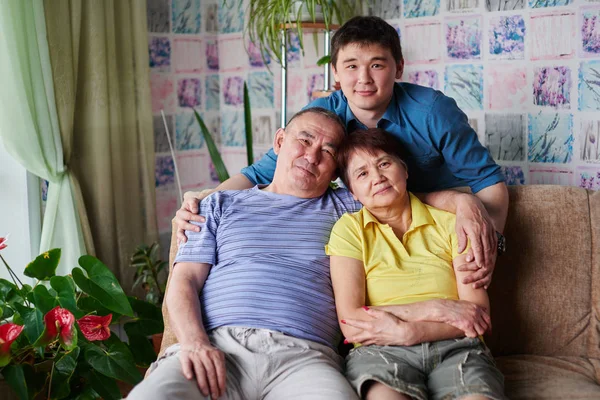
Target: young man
[{"x": 442, "y": 149}]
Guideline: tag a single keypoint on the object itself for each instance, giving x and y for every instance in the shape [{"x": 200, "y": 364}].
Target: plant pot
[{"x": 157, "y": 341}]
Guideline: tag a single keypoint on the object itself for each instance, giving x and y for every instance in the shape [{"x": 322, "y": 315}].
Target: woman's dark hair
[{"x": 370, "y": 141}]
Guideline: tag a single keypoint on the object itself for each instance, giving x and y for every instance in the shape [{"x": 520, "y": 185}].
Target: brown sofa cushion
[
  {"x": 541, "y": 295},
  {"x": 540, "y": 377}
]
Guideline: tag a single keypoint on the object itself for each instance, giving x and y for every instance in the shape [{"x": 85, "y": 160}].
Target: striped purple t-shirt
[{"x": 269, "y": 267}]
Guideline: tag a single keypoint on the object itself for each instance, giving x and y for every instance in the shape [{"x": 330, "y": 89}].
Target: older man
[{"x": 264, "y": 325}]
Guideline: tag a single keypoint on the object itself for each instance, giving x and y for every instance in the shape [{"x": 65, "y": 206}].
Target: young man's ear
[
  {"x": 399, "y": 69},
  {"x": 278, "y": 141},
  {"x": 335, "y": 74}
]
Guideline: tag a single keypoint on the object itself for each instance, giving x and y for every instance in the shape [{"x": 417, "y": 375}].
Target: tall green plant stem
[{"x": 12, "y": 274}]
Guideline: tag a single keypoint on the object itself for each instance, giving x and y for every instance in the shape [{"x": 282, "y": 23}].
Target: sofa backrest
[{"x": 545, "y": 293}]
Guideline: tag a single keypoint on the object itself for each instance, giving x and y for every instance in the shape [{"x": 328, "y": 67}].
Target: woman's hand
[
  {"x": 384, "y": 329},
  {"x": 189, "y": 212},
  {"x": 470, "y": 318}
]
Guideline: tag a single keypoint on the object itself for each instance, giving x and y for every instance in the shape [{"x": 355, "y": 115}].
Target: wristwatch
[{"x": 501, "y": 243}]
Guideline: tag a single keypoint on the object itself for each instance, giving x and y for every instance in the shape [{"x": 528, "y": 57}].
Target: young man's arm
[
  {"x": 198, "y": 357},
  {"x": 189, "y": 208},
  {"x": 478, "y": 217}
]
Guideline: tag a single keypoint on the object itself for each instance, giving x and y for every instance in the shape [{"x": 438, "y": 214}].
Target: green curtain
[
  {"x": 100, "y": 63},
  {"x": 29, "y": 125}
]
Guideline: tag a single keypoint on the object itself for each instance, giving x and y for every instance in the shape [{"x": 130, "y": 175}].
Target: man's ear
[
  {"x": 335, "y": 74},
  {"x": 399, "y": 69},
  {"x": 278, "y": 141}
]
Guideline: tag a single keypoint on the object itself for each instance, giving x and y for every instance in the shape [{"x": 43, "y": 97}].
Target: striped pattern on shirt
[{"x": 269, "y": 267}]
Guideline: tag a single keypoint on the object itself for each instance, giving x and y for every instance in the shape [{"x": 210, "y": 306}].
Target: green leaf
[
  {"x": 106, "y": 387},
  {"x": 115, "y": 363},
  {"x": 248, "y": 125},
  {"x": 5, "y": 288},
  {"x": 16, "y": 379},
  {"x": 148, "y": 321},
  {"x": 142, "y": 350},
  {"x": 35, "y": 379},
  {"x": 65, "y": 289},
  {"x": 43, "y": 300},
  {"x": 92, "y": 306},
  {"x": 33, "y": 320},
  {"x": 143, "y": 327},
  {"x": 10, "y": 293},
  {"x": 145, "y": 310},
  {"x": 44, "y": 266},
  {"x": 324, "y": 60},
  {"x": 25, "y": 290},
  {"x": 63, "y": 370},
  {"x": 102, "y": 285},
  {"x": 215, "y": 157}
]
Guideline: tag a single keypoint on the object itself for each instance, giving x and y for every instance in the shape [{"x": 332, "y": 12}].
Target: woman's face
[{"x": 377, "y": 180}]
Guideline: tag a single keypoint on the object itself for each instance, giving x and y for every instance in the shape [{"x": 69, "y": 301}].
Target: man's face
[
  {"x": 306, "y": 155},
  {"x": 377, "y": 180},
  {"x": 367, "y": 75}
]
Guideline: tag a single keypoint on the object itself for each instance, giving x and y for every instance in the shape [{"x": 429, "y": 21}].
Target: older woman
[{"x": 388, "y": 262}]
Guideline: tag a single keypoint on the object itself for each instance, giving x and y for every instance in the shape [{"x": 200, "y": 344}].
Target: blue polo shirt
[{"x": 442, "y": 149}]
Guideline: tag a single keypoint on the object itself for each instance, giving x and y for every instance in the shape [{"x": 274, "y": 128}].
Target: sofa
[{"x": 545, "y": 295}]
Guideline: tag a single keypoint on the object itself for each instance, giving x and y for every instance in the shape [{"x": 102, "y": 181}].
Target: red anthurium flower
[
  {"x": 95, "y": 327},
  {"x": 8, "y": 334},
  {"x": 3, "y": 241},
  {"x": 59, "y": 322}
]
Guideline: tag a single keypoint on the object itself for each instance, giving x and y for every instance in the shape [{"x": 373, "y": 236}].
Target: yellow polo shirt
[{"x": 417, "y": 268}]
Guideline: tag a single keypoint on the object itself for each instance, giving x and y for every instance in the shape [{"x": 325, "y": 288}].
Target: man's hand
[
  {"x": 384, "y": 329},
  {"x": 470, "y": 318},
  {"x": 189, "y": 212},
  {"x": 475, "y": 224},
  {"x": 207, "y": 364}
]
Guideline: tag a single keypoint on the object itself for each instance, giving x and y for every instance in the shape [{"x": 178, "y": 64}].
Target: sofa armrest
[{"x": 169, "y": 337}]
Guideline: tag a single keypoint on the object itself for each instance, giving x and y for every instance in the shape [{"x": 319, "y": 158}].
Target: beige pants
[{"x": 261, "y": 364}]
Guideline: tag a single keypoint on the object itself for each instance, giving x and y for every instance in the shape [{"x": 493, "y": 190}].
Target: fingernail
[
  {"x": 365, "y": 308},
  {"x": 346, "y": 341},
  {"x": 197, "y": 229},
  {"x": 343, "y": 321}
]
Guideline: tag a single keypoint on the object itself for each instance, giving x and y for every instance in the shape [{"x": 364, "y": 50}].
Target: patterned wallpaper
[{"x": 526, "y": 72}]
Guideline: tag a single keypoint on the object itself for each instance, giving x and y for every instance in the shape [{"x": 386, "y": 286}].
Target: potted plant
[
  {"x": 267, "y": 18},
  {"x": 215, "y": 156},
  {"x": 55, "y": 337},
  {"x": 149, "y": 276}
]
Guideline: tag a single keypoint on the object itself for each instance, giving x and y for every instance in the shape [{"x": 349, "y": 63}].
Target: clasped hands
[{"x": 386, "y": 329}]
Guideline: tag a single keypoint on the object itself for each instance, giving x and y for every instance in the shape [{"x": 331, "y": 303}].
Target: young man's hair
[
  {"x": 370, "y": 141},
  {"x": 365, "y": 31}
]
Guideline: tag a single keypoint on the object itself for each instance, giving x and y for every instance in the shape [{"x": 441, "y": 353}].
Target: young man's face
[{"x": 367, "y": 75}]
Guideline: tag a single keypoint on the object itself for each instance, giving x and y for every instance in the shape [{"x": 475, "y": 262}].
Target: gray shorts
[
  {"x": 260, "y": 364},
  {"x": 446, "y": 369}
]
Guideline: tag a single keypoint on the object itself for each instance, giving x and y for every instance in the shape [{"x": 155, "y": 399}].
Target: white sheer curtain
[{"x": 29, "y": 126}]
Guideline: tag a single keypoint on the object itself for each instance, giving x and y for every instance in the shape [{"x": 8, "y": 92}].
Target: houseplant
[
  {"x": 215, "y": 156},
  {"x": 55, "y": 340},
  {"x": 268, "y": 17},
  {"x": 150, "y": 276}
]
